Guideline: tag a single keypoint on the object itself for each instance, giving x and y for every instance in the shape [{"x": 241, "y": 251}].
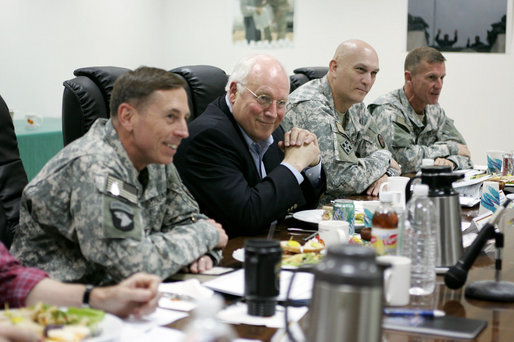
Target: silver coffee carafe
[
  {"x": 347, "y": 296},
  {"x": 446, "y": 201}
]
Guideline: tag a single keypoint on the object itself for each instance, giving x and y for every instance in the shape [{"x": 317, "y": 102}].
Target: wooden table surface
[{"x": 499, "y": 316}]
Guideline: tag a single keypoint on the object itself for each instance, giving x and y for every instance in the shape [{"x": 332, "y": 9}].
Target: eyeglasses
[{"x": 265, "y": 101}]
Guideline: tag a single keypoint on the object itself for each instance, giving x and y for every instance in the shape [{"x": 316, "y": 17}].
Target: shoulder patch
[{"x": 122, "y": 216}]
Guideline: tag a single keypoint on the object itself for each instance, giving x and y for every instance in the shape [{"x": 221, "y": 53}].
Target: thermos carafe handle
[{"x": 408, "y": 193}]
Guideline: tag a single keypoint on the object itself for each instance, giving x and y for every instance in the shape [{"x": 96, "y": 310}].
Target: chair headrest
[
  {"x": 103, "y": 76},
  {"x": 297, "y": 80},
  {"x": 205, "y": 83},
  {"x": 312, "y": 72}
]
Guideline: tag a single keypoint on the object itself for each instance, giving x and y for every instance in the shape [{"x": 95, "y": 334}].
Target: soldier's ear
[
  {"x": 126, "y": 115},
  {"x": 408, "y": 76},
  {"x": 332, "y": 65}
]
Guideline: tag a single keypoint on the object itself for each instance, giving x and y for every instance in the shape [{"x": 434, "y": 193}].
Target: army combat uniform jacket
[
  {"x": 86, "y": 217},
  {"x": 352, "y": 151},
  {"x": 409, "y": 139}
]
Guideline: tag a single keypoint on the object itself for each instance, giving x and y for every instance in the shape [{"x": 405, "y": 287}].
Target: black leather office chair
[
  {"x": 12, "y": 177},
  {"x": 86, "y": 98},
  {"x": 204, "y": 84},
  {"x": 306, "y": 74}
]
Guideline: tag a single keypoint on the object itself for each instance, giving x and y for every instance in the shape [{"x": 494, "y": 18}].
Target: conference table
[
  {"x": 38, "y": 145},
  {"x": 499, "y": 316}
]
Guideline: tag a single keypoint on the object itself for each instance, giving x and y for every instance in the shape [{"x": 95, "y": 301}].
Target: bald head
[
  {"x": 352, "y": 73},
  {"x": 352, "y": 47}
]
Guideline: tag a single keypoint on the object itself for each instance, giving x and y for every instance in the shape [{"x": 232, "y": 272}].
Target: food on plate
[
  {"x": 328, "y": 212},
  {"x": 54, "y": 324},
  {"x": 301, "y": 259},
  {"x": 505, "y": 179},
  {"x": 366, "y": 234},
  {"x": 357, "y": 240},
  {"x": 314, "y": 245},
  {"x": 359, "y": 218},
  {"x": 295, "y": 254}
]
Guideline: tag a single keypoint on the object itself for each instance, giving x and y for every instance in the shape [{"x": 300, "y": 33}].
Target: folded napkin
[{"x": 183, "y": 295}]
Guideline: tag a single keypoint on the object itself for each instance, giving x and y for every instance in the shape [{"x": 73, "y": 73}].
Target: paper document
[{"x": 234, "y": 284}]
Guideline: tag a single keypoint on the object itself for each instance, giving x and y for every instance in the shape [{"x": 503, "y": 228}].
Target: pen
[{"x": 414, "y": 312}]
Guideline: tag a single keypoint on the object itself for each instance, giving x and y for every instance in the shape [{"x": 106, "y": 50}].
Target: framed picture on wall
[
  {"x": 458, "y": 25},
  {"x": 263, "y": 23}
]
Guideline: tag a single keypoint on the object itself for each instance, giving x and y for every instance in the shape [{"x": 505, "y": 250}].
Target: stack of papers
[{"x": 469, "y": 187}]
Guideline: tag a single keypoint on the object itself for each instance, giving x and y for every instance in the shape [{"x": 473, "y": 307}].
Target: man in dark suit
[{"x": 243, "y": 170}]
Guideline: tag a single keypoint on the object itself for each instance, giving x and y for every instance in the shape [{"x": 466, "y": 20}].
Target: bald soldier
[{"x": 354, "y": 154}]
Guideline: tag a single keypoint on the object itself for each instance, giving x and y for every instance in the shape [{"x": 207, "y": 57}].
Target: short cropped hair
[
  {"x": 243, "y": 68},
  {"x": 424, "y": 53},
  {"x": 135, "y": 87}
]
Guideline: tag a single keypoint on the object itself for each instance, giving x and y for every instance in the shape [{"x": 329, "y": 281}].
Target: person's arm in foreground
[{"x": 136, "y": 295}]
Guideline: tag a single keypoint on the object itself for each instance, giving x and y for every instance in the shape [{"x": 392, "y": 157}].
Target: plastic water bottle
[
  {"x": 419, "y": 241},
  {"x": 205, "y": 327}
]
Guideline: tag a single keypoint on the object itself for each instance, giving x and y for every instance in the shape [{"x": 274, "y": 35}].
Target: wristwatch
[
  {"x": 85, "y": 298},
  {"x": 389, "y": 173}
]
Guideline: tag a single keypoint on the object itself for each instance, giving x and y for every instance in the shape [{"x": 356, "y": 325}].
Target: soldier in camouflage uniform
[
  {"x": 353, "y": 152},
  {"x": 280, "y": 9},
  {"x": 413, "y": 123},
  {"x": 111, "y": 203}
]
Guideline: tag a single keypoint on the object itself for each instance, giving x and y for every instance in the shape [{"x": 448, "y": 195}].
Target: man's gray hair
[{"x": 243, "y": 68}]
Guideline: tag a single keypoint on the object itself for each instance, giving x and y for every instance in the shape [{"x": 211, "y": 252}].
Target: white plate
[
  {"x": 110, "y": 329},
  {"x": 314, "y": 216},
  {"x": 311, "y": 216},
  {"x": 239, "y": 255}
]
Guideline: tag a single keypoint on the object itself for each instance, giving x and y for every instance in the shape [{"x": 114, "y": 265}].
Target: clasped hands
[
  {"x": 463, "y": 151},
  {"x": 300, "y": 148}
]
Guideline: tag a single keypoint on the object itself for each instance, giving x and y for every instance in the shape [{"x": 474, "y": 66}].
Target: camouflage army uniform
[
  {"x": 86, "y": 217},
  {"x": 349, "y": 142},
  {"x": 409, "y": 139}
]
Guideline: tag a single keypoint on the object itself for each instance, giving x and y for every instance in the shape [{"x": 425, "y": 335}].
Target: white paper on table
[
  {"x": 191, "y": 288},
  {"x": 157, "y": 318},
  {"x": 237, "y": 314},
  {"x": 234, "y": 284},
  {"x": 154, "y": 334}
]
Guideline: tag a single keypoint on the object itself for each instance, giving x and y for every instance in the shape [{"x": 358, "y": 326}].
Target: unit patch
[
  {"x": 122, "y": 216},
  {"x": 347, "y": 146}
]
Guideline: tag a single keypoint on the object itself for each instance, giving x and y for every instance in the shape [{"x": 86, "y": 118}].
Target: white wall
[{"x": 42, "y": 42}]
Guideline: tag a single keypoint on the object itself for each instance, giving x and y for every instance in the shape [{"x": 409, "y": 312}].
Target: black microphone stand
[{"x": 493, "y": 290}]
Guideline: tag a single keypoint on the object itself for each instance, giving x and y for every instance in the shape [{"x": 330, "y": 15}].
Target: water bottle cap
[{"x": 420, "y": 190}]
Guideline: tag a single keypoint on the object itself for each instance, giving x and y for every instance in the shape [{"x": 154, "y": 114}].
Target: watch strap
[{"x": 87, "y": 294}]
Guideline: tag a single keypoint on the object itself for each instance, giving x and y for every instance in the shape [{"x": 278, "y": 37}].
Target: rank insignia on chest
[
  {"x": 122, "y": 216},
  {"x": 347, "y": 146}
]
